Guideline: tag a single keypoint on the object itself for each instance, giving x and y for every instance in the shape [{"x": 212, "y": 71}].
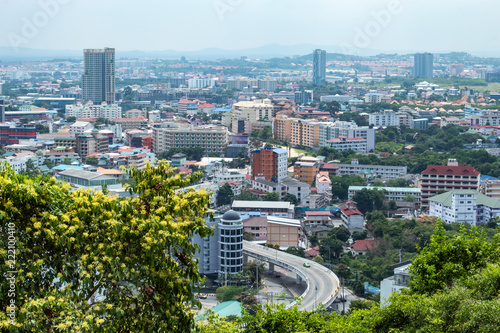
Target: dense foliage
[{"x": 88, "y": 262}]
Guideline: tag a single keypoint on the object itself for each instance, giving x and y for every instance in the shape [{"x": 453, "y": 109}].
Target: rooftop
[{"x": 450, "y": 170}]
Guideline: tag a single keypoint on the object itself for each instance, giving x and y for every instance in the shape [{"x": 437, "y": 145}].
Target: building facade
[
  {"x": 423, "y": 65},
  {"x": 447, "y": 177},
  {"x": 98, "y": 79},
  {"x": 319, "y": 66},
  {"x": 270, "y": 163}
]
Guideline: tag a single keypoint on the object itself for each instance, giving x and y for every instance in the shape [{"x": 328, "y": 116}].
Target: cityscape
[{"x": 314, "y": 187}]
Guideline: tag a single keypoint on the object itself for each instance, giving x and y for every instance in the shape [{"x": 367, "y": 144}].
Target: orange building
[
  {"x": 306, "y": 169},
  {"x": 270, "y": 163}
]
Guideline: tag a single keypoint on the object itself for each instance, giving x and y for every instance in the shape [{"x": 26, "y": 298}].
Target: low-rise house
[
  {"x": 318, "y": 217},
  {"x": 361, "y": 247}
]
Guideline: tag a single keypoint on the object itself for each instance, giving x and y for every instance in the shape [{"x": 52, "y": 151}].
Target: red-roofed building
[
  {"x": 352, "y": 218},
  {"x": 447, "y": 177},
  {"x": 361, "y": 247},
  {"x": 318, "y": 217},
  {"x": 330, "y": 168}
]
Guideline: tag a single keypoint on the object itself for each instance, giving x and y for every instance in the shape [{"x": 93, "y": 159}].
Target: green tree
[
  {"x": 369, "y": 200},
  {"x": 248, "y": 236},
  {"x": 70, "y": 119},
  {"x": 228, "y": 293},
  {"x": 90, "y": 262},
  {"x": 48, "y": 163},
  {"x": 41, "y": 128},
  {"x": 291, "y": 198},
  {"x": 341, "y": 233},
  {"x": 225, "y": 195},
  {"x": 340, "y": 185},
  {"x": 318, "y": 259},
  {"x": 271, "y": 196},
  {"x": 66, "y": 161},
  {"x": 31, "y": 170},
  {"x": 445, "y": 259},
  {"x": 92, "y": 160},
  {"x": 296, "y": 251}
]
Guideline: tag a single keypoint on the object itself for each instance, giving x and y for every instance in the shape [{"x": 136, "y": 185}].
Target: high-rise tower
[
  {"x": 423, "y": 65},
  {"x": 319, "y": 66},
  {"x": 98, "y": 79}
]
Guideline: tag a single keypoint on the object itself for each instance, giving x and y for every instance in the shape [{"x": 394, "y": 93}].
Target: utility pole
[
  {"x": 399, "y": 255},
  {"x": 257, "y": 275}
]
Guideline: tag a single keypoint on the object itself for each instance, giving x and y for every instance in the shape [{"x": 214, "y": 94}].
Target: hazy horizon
[{"x": 361, "y": 27}]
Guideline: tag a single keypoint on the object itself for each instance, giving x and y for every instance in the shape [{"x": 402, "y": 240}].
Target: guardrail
[{"x": 274, "y": 253}]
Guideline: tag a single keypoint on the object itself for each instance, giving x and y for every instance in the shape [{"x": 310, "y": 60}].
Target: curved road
[{"x": 322, "y": 284}]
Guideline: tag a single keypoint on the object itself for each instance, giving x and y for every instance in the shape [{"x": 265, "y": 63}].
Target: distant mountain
[{"x": 9, "y": 54}]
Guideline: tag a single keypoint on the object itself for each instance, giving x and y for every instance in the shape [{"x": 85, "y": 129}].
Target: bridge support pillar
[
  {"x": 298, "y": 280},
  {"x": 271, "y": 267},
  {"x": 245, "y": 258}
]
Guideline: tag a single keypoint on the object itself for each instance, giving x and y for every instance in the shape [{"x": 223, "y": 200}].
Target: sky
[{"x": 402, "y": 26}]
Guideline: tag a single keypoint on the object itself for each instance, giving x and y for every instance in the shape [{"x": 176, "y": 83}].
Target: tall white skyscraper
[{"x": 98, "y": 79}]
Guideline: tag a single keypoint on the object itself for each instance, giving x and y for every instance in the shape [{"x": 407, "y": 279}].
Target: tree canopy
[{"x": 88, "y": 262}]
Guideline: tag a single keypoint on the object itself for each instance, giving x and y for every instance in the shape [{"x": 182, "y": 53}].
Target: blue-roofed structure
[
  {"x": 486, "y": 177},
  {"x": 222, "y": 110}
]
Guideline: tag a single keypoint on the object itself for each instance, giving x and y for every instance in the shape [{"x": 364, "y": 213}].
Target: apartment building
[
  {"x": 136, "y": 113},
  {"x": 384, "y": 119},
  {"x": 88, "y": 144},
  {"x": 11, "y": 133},
  {"x": 464, "y": 206},
  {"x": 313, "y": 133},
  {"x": 132, "y": 123},
  {"x": 98, "y": 79},
  {"x": 490, "y": 188},
  {"x": 90, "y": 110},
  {"x": 80, "y": 127},
  {"x": 391, "y": 193},
  {"x": 382, "y": 171},
  {"x": 342, "y": 143},
  {"x": 448, "y": 178},
  {"x": 304, "y": 133},
  {"x": 254, "y": 110},
  {"x": 270, "y": 163},
  {"x": 282, "y": 128},
  {"x": 306, "y": 169},
  {"x": 265, "y": 208},
  {"x": 213, "y": 139}
]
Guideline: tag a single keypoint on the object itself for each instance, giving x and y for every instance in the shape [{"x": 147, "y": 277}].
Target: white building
[
  {"x": 90, "y": 110},
  {"x": 80, "y": 127},
  {"x": 373, "y": 97},
  {"x": 265, "y": 208},
  {"x": 398, "y": 281},
  {"x": 342, "y": 143},
  {"x": 384, "y": 119},
  {"x": 330, "y": 130},
  {"x": 384, "y": 171},
  {"x": 18, "y": 163},
  {"x": 353, "y": 219},
  {"x": 391, "y": 193},
  {"x": 198, "y": 83},
  {"x": 464, "y": 206}
]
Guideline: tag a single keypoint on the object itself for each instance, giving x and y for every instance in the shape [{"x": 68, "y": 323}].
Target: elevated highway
[{"x": 322, "y": 284}]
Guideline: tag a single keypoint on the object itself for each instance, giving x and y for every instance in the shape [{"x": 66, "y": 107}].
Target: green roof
[
  {"x": 481, "y": 199},
  {"x": 225, "y": 309}
]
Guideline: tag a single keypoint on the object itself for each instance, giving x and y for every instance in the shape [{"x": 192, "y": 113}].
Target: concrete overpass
[{"x": 322, "y": 285}]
